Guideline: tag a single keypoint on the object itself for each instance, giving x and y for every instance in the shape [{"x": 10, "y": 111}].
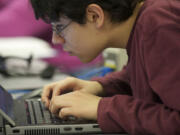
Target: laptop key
[
  {"x": 46, "y": 113},
  {"x": 38, "y": 114},
  {"x": 51, "y": 118},
  {"x": 30, "y": 110}
]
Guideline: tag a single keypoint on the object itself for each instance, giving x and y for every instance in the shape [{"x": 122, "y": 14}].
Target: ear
[{"x": 95, "y": 14}]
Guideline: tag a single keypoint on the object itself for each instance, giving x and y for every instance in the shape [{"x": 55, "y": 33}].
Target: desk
[{"x": 29, "y": 82}]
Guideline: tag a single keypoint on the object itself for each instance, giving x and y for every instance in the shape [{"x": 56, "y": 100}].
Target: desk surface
[{"x": 30, "y": 82}]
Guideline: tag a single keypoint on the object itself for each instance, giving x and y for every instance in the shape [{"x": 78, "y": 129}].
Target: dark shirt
[{"x": 145, "y": 95}]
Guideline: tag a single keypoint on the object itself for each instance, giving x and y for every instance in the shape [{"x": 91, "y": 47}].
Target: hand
[
  {"x": 71, "y": 83},
  {"x": 79, "y": 104}
]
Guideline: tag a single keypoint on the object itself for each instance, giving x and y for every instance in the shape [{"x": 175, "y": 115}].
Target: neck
[{"x": 121, "y": 32}]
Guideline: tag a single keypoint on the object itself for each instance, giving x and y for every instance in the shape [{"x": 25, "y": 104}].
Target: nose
[{"x": 57, "y": 39}]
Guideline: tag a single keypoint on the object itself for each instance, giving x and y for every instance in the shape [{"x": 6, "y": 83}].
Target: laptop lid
[{"x": 6, "y": 106}]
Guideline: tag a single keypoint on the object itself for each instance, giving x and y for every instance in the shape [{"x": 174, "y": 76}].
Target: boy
[{"x": 142, "y": 99}]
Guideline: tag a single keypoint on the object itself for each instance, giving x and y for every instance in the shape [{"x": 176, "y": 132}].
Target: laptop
[{"x": 30, "y": 117}]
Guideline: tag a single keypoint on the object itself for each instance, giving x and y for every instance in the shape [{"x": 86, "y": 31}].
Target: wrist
[
  {"x": 96, "y": 110},
  {"x": 99, "y": 88}
]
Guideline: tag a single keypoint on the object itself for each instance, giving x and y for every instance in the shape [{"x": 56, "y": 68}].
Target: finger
[
  {"x": 57, "y": 89},
  {"x": 66, "y": 111},
  {"x": 57, "y": 103},
  {"x": 64, "y": 86},
  {"x": 47, "y": 94}
]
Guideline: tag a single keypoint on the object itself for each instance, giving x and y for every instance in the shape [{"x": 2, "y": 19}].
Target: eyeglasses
[{"x": 58, "y": 28}]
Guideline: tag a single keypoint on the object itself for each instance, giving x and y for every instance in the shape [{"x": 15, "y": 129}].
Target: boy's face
[{"x": 83, "y": 41}]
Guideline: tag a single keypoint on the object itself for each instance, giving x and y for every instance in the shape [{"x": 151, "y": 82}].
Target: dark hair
[{"x": 52, "y": 10}]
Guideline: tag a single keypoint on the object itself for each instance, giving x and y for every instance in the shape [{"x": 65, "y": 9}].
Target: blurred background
[{"x": 28, "y": 59}]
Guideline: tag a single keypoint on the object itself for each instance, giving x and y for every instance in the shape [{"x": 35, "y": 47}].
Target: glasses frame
[{"x": 59, "y": 28}]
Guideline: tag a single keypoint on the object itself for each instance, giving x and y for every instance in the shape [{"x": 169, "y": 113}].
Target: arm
[{"x": 138, "y": 116}]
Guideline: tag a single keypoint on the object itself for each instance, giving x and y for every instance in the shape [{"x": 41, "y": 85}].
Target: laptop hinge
[
  {"x": 7, "y": 118},
  {"x": 1, "y": 126}
]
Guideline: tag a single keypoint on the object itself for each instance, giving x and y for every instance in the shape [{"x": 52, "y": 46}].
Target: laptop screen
[{"x": 6, "y": 102}]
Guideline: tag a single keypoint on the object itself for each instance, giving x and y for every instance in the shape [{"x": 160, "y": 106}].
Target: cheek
[
  {"x": 76, "y": 40},
  {"x": 89, "y": 52},
  {"x": 82, "y": 44},
  {"x": 89, "y": 48}
]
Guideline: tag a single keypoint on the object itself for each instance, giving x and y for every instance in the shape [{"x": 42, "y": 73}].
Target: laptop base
[{"x": 53, "y": 129}]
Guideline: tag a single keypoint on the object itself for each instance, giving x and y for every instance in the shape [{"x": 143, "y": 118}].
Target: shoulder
[
  {"x": 158, "y": 30},
  {"x": 156, "y": 14}
]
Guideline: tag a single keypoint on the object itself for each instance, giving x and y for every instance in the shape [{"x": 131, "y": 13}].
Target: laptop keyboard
[{"x": 38, "y": 114}]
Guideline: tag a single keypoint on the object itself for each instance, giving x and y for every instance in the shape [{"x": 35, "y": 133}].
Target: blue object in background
[
  {"x": 97, "y": 72},
  {"x": 18, "y": 93}
]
